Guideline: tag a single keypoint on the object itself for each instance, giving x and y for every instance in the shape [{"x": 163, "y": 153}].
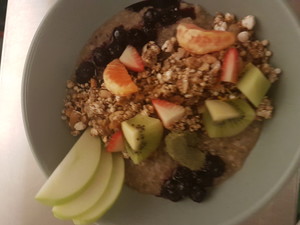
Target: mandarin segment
[
  {"x": 117, "y": 79},
  {"x": 200, "y": 41}
]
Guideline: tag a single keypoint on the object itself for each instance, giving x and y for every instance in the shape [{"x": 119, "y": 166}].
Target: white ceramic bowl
[{"x": 51, "y": 60}]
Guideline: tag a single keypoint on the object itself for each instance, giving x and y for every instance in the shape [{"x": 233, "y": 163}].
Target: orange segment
[
  {"x": 197, "y": 40},
  {"x": 117, "y": 79}
]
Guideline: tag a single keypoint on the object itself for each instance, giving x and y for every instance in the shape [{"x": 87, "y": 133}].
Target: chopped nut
[
  {"x": 94, "y": 132},
  {"x": 229, "y": 17},
  {"x": 243, "y": 36},
  {"x": 268, "y": 53},
  {"x": 221, "y": 26},
  {"x": 79, "y": 126},
  {"x": 168, "y": 46},
  {"x": 265, "y": 42},
  {"x": 70, "y": 84},
  {"x": 248, "y": 22},
  {"x": 150, "y": 53}
]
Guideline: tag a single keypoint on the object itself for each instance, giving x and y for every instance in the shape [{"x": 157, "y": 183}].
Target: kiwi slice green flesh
[
  {"x": 182, "y": 147},
  {"x": 254, "y": 85},
  {"x": 143, "y": 136},
  {"x": 230, "y": 127},
  {"x": 220, "y": 110}
]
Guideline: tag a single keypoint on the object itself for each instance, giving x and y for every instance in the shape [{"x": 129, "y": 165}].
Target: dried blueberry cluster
[
  {"x": 161, "y": 13},
  {"x": 193, "y": 184}
]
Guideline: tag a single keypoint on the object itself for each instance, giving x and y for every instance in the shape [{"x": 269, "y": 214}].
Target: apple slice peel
[
  {"x": 77, "y": 168},
  {"x": 109, "y": 196},
  {"x": 91, "y": 195}
]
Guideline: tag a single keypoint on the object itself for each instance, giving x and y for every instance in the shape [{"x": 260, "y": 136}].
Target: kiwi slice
[
  {"x": 143, "y": 135},
  {"x": 254, "y": 85},
  {"x": 221, "y": 110},
  {"x": 230, "y": 127},
  {"x": 183, "y": 148}
]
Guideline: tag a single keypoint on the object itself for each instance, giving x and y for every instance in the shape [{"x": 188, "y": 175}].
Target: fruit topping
[
  {"x": 173, "y": 190},
  {"x": 221, "y": 110},
  {"x": 101, "y": 56},
  {"x": 230, "y": 67},
  {"x": 198, "y": 193},
  {"x": 151, "y": 17},
  {"x": 91, "y": 195},
  {"x": 116, "y": 143},
  {"x": 150, "y": 32},
  {"x": 85, "y": 72},
  {"x": 169, "y": 16},
  {"x": 72, "y": 176},
  {"x": 200, "y": 41},
  {"x": 202, "y": 178},
  {"x": 136, "y": 38},
  {"x": 109, "y": 196},
  {"x": 193, "y": 184},
  {"x": 230, "y": 127},
  {"x": 214, "y": 166},
  {"x": 182, "y": 147},
  {"x": 168, "y": 112},
  {"x": 143, "y": 136},
  {"x": 120, "y": 35},
  {"x": 253, "y": 84},
  {"x": 117, "y": 80},
  {"x": 115, "y": 49},
  {"x": 131, "y": 59}
]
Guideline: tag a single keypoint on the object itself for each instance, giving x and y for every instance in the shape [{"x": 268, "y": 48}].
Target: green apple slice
[
  {"x": 74, "y": 173},
  {"x": 109, "y": 196},
  {"x": 254, "y": 85},
  {"x": 91, "y": 195}
]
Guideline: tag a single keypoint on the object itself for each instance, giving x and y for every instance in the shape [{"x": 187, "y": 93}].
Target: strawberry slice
[
  {"x": 116, "y": 143},
  {"x": 131, "y": 59},
  {"x": 230, "y": 67},
  {"x": 168, "y": 112},
  {"x": 117, "y": 79}
]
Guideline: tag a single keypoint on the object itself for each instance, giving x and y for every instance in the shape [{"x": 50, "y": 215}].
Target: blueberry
[
  {"x": 85, "y": 72},
  {"x": 151, "y": 17},
  {"x": 115, "y": 49},
  {"x": 197, "y": 194},
  {"x": 183, "y": 174},
  {"x": 173, "y": 190},
  {"x": 170, "y": 16},
  {"x": 214, "y": 165},
  {"x": 120, "y": 35},
  {"x": 202, "y": 179},
  {"x": 136, "y": 37},
  {"x": 150, "y": 33},
  {"x": 101, "y": 56}
]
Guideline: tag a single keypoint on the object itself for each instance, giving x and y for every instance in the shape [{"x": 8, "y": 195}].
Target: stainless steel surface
[{"x": 20, "y": 175}]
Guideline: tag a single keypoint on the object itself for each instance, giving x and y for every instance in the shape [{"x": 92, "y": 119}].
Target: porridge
[{"x": 180, "y": 93}]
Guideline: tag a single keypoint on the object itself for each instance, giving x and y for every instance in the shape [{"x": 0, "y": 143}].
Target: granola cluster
[{"x": 173, "y": 74}]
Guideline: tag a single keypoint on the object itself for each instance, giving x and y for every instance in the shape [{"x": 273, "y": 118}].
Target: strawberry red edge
[
  {"x": 230, "y": 73},
  {"x": 116, "y": 142}
]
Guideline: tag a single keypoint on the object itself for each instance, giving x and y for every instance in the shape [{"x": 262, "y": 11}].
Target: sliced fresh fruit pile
[{"x": 86, "y": 183}]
